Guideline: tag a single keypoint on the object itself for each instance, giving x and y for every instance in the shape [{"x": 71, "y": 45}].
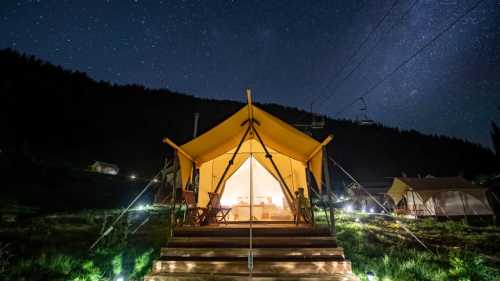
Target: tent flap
[{"x": 186, "y": 167}]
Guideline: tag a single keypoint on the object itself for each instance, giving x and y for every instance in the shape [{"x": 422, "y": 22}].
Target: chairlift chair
[{"x": 363, "y": 119}]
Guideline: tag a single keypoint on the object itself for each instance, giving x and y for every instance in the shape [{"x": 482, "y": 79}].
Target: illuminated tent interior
[
  {"x": 269, "y": 201},
  {"x": 280, "y": 154}
]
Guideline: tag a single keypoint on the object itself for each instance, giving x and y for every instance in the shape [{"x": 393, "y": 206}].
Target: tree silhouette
[{"x": 66, "y": 117}]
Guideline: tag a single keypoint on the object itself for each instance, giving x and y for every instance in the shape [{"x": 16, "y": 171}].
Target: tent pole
[
  {"x": 172, "y": 198},
  {"x": 270, "y": 157},
  {"x": 230, "y": 162},
  {"x": 414, "y": 206},
  {"x": 463, "y": 206},
  {"x": 425, "y": 205},
  {"x": 437, "y": 203},
  {"x": 309, "y": 179},
  {"x": 329, "y": 191}
]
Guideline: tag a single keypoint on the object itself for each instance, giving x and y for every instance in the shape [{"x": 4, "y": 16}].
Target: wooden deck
[{"x": 280, "y": 251}]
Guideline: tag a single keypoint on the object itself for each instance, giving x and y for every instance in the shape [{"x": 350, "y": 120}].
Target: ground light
[
  {"x": 370, "y": 276},
  {"x": 133, "y": 177},
  {"x": 120, "y": 278},
  {"x": 141, "y": 207},
  {"x": 348, "y": 208}
]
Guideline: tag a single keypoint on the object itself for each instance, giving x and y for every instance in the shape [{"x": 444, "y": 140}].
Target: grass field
[
  {"x": 455, "y": 251},
  {"x": 37, "y": 246}
]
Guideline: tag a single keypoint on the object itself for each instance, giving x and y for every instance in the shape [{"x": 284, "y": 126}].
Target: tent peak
[{"x": 249, "y": 103}]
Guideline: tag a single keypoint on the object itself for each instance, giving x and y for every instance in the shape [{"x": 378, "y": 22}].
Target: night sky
[{"x": 288, "y": 52}]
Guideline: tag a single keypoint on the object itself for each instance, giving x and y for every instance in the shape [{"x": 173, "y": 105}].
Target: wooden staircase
[{"x": 220, "y": 253}]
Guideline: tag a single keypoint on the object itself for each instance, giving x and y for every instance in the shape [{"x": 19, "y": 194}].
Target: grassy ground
[
  {"x": 456, "y": 251},
  {"x": 56, "y": 247},
  {"x": 34, "y": 246}
]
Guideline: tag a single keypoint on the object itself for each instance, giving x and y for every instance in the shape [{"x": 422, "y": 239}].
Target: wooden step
[
  {"x": 223, "y": 253},
  {"x": 265, "y": 267},
  {"x": 258, "y": 242},
  {"x": 244, "y": 277},
  {"x": 244, "y": 231},
  {"x": 280, "y": 252}
]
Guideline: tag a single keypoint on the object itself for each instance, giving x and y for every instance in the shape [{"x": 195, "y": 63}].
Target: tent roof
[
  {"x": 427, "y": 187},
  {"x": 275, "y": 133},
  {"x": 431, "y": 183}
]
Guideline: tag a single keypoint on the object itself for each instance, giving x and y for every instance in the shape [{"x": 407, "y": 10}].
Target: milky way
[{"x": 288, "y": 52}]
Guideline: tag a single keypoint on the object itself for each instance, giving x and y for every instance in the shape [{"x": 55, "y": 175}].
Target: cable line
[
  {"x": 111, "y": 227},
  {"x": 370, "y": 52},
  {"x": 409, "y": 59},
  {"x": 360, "y": 47},
  {"x": 380, "y": 204},
  {"x": 355, "y": 53}
]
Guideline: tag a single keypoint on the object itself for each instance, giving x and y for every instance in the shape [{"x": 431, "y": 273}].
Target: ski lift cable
[
  {"x": 111, "y": 227},
  {"x": 331, "y": 41},
  {"x": 367, "y": 55},
  {"x": 358, "y": 49},
  {"x": 380, "y": 204},
  {"x": 412, "y": 57}
]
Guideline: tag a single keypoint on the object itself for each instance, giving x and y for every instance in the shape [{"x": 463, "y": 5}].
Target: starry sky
[{"x": 328, "y": 53}]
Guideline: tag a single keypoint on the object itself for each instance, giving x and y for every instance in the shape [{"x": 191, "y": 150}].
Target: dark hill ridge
[{"x": 58, "y": 115}]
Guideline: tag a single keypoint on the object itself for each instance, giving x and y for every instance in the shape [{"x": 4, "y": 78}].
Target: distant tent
[
  {"x": 445, "y": 196},
  {"x": 104, "y": 168},
  {"x": 278, "y": 153}
]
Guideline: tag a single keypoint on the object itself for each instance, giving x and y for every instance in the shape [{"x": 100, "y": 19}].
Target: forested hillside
[{"x": 62, "y": 116}]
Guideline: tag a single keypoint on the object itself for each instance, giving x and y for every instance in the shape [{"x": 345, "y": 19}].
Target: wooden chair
[
  {"x": 214, "y": 212},
  {"x": 193, "y": 212},
  {"x": 302, "y": 208}
]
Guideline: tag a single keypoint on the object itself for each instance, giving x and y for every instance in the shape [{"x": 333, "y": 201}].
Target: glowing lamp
[
  {"x": 372, "y": 210},
  {"x": 133, "y": 177},
  {"x": 119, "y": 278},
  {"x": 348, "y": 208},
  {"x": 370, "y": 276}
]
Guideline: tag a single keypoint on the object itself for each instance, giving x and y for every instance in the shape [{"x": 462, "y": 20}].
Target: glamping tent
[
  {"x": 251, "y": 152},
  {"x": 104, "y": 168},
  {"x": 446, "y": 196}
]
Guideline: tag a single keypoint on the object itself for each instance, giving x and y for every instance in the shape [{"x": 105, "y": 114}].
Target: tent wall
[
  {"x": 456, "y": 203},
  {"x": 449, "y": 203},
  {"x": 416, "y": 205},
  {"x": 211, "y": 173}
]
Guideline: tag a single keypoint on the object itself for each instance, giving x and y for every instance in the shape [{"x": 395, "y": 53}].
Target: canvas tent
[
  {"x": 104, "y": 168},
  {"x": 444, "y": 196},
  {"x": 253, "y": 138}
]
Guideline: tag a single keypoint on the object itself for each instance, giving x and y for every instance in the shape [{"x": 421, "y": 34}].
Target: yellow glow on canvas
[{"x": 269, "y": 202}]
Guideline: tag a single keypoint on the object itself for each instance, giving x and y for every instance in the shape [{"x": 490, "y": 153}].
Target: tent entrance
[{"x": 269, "y": 202}]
